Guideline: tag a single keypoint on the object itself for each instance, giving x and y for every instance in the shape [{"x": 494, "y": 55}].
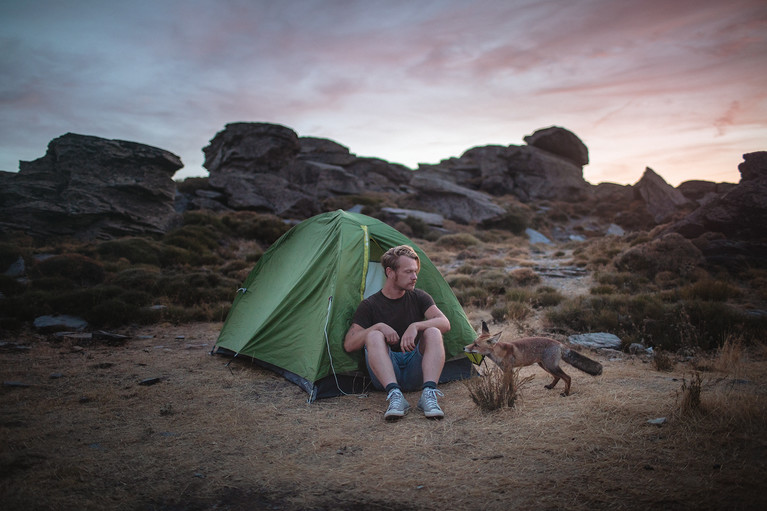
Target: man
[{"x": 401, "y": 330}]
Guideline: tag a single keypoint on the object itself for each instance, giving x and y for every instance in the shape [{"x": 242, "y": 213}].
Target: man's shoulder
[{"x": 420, "y": 292}]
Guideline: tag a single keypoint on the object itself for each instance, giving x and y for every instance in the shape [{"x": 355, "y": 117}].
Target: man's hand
[
  {"x": 390, "y": 335},
  {"x": 408, "y": 338}
]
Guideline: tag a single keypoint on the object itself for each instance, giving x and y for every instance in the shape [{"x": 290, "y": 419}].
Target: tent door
[{"x": 374, "y": 280}]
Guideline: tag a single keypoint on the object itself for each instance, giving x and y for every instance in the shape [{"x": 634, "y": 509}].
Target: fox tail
[{"x": 581, "y": 362}]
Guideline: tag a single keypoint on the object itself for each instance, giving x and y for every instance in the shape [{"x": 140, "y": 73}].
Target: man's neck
[{"x": 392, "y": 293}]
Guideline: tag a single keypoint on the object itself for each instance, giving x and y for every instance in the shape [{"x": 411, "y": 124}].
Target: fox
[{"x": 530, "y": 350}]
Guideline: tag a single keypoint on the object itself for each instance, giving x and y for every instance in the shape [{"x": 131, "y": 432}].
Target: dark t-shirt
[{"x": 398, "y": 314}]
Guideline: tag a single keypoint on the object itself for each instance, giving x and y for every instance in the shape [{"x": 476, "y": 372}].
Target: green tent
[{"x": 294, "y": 308}]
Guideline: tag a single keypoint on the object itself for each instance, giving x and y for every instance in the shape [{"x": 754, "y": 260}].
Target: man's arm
[
  {"x": 433, "y": 318},
  {"x": 355, "y": 337},
  {"x": 436, "y": 318}
]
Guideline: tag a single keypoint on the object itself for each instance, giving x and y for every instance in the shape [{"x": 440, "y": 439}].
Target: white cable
[{"x": 327, "y": 343}]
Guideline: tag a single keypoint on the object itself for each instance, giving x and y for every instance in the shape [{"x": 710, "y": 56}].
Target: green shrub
[
  {"x": 143, "y": 278},
  {"x": 519, "y": 295},
  {"x": 418, "y": 227},
  {"x": 256, "y": 226},
  {"x": 135, "y": 250},
  {"x": 80, "y": 269},
  {"x": 127, "y": 307},
  {"x": 524, "y": 276},
  {"x": 603, "y": 290},
  {"x": 473, "y": 296},
  {"x": 514, "y": 221},
  {"x": 546, "y": 297},
  {"x": 710, "y": 290},
  {"x": 459, "y": 240},
  {"x": 517, "y": 311},
  {"x": 623, "y": 282}
]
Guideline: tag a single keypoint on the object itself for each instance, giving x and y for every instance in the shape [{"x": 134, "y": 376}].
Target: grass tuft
[{"x": 495, "y": 388}]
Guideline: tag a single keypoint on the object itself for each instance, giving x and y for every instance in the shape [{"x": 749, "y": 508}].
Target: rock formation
[
  {"x": 663, "y": 200},
  {"x": 731, "y": 229},
  {"x": 561, "y": 142},
  {"x": 286, "y": 175},
  {"x": 91, "y": 187},
  {"x": 551, "y": 169}
]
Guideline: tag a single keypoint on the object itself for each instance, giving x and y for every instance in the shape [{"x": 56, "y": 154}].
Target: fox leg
[{"x": 558, "y": 373}]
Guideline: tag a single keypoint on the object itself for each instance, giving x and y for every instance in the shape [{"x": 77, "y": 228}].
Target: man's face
[{"x": 407, "y": 273}]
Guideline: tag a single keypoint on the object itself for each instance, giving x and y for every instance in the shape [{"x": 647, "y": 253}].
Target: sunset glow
[{"x": 680, "y": 87}]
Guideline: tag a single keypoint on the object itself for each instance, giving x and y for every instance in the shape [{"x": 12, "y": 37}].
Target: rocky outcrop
[
  {"x": 703, "y": 192},
  {"x": 450, "y": 200},
  {"x": 549, "y": 170},
  {"x": 731, "y": 229},
  {"x": 739, "y": 214},
  {"x": 663, "y": 200},
  {"x": 291, "y": 176},
  {"x": 561, "y": 142},
  {"x": 91, "y": 187},
  {"x": 266, "y": 167}
]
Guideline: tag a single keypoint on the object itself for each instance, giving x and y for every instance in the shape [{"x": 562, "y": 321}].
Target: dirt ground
[{"x": 157, "y": 423}]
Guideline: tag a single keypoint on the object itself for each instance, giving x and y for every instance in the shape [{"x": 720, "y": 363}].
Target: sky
[{"x": 679, "y": 86}]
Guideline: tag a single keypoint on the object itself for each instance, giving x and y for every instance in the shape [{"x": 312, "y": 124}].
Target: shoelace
[
  {"x": 395, "y": 398},
  {"x": 431, "y": 397}
]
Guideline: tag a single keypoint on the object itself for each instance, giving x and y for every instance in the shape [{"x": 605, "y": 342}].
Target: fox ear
[
  {"x": 494, "y": 339},
  {"x": 485, "y": 330}
]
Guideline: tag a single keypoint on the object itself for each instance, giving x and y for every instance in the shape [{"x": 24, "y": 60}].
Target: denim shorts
[{"x": 407, "y": 369}]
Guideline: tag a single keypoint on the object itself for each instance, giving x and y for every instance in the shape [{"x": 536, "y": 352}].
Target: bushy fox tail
[{"x": 581, "y": 362}]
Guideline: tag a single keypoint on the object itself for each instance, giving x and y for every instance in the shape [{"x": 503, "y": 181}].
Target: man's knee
[
  {"x": 432, "y": 338},
  {"x": 375, "y": 341}
]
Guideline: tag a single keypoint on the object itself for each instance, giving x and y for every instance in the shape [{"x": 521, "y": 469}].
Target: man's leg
[
  {"x": 433, "y": 350},
  {"x": 379, "y": 361},
  {"x": 432, "y": 364}
]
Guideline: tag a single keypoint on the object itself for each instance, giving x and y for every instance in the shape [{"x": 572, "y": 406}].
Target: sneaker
[
  {"x": 398, "y": 405},
  {"x": 428, "y": 403}
]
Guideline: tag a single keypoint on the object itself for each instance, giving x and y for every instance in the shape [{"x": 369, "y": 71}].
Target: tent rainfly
[{"x": 294, "y": 308}]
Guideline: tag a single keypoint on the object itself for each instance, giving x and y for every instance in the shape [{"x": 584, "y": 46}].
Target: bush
[
  {"x": 514, "y": 221},
  {"x": 79, "y": 269},
  {"x": 256, "y": 226},
  {"x": 710, "y": 290},
  {"x": 496, "y": 388},
  {"x": 546, "y": 297},
  {"x": 524, "y": 276},
  {"x": 135, "y": 250},
  {"x": 459, "y": 240}
]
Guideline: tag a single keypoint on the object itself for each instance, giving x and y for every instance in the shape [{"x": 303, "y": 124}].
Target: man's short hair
[{"x": 391, "y": 258}]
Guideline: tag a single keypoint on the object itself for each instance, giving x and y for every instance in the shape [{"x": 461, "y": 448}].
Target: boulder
[
  {"x": 323, "y": 150},
  {"x": 663, "y": 201},
  {"x": 59, "y": 322},
  {"x": 703, "y": 192},
  {"x": 91, "y": 187},
  {"x": 268, "y": 168},
  {"x": 250, "y": 148},
  {"x": 527, "y": 172},
  {"x": 432, "y": 219},
  {"x": 596, "y": 340},
  {"x": 539, "y": 174},
  {"x": 433, "y": 193},
  {"x": 740, "y": 213},
  {"x": 562, "y": 142}
]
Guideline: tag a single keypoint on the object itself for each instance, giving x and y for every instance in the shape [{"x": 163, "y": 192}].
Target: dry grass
[
  {"x": 86, "y": 435},
  {"x": 494, "y": 388}
]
